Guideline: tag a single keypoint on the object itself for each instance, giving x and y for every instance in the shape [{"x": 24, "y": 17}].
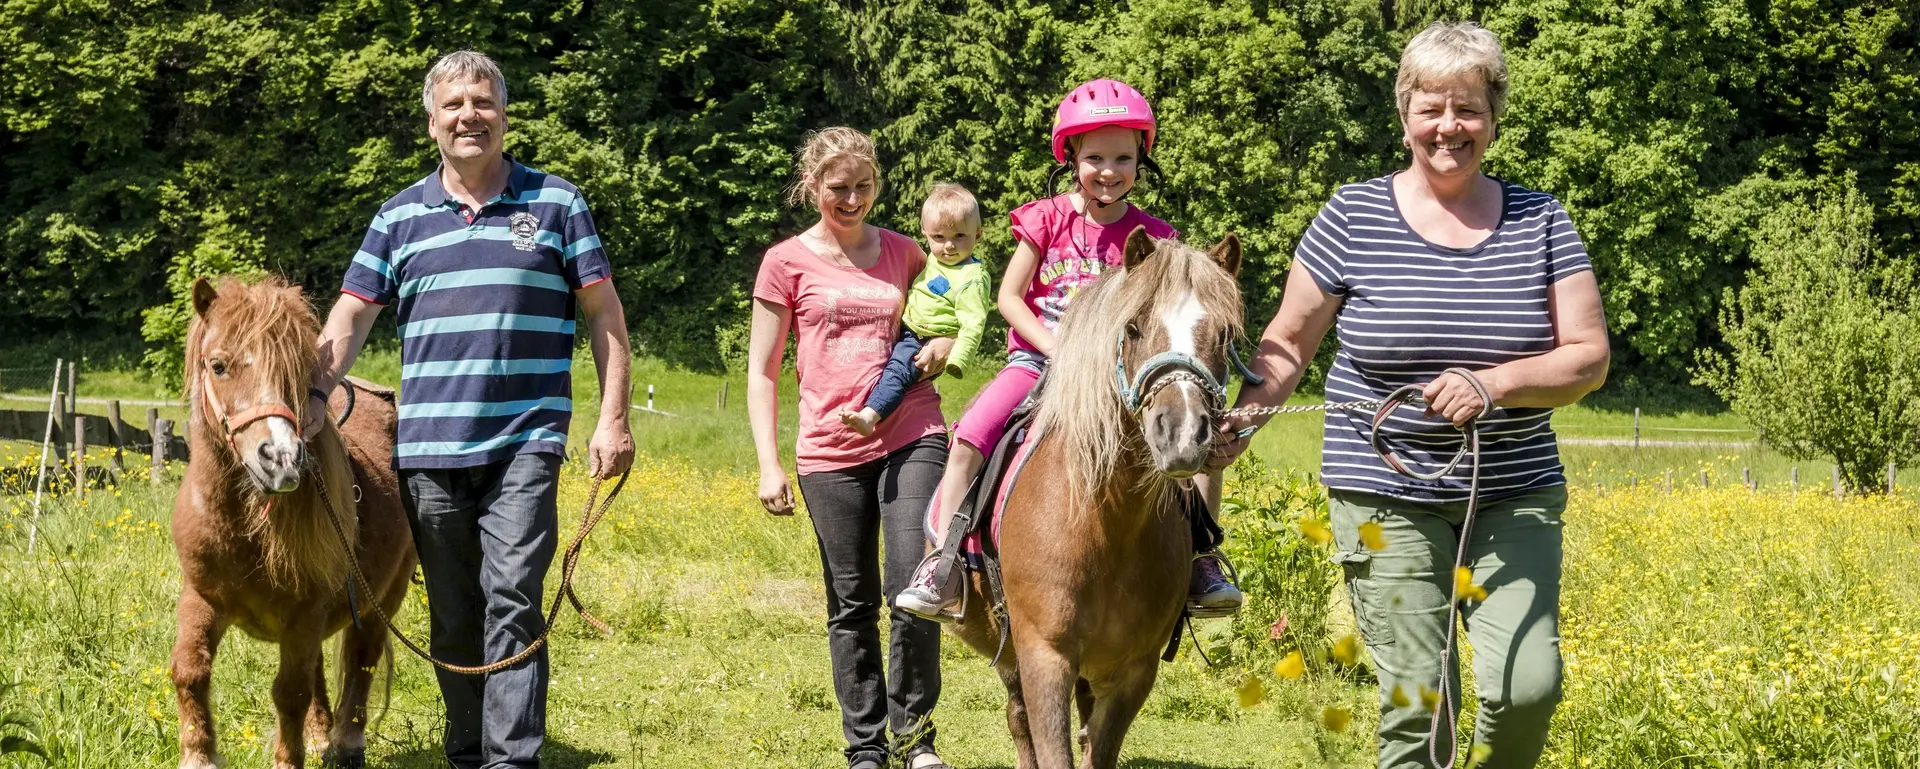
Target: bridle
[
  {"x": 1167, "y": 368},
  {"x": 229, "y": 425}
]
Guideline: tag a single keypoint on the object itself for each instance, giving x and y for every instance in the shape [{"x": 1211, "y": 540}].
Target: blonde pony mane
[{"x": 1081, "y": 405}]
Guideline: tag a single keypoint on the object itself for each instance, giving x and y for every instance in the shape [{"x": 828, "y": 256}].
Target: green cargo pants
[{"x": 1400, "y": 597}]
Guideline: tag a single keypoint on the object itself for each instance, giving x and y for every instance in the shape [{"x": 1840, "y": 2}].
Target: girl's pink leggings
[{"x": 986, "y": 420}]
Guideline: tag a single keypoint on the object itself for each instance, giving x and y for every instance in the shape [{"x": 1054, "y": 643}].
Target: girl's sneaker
[
  {"x": 1212, "y": 593},
  {"x": 926, "y": 600}
]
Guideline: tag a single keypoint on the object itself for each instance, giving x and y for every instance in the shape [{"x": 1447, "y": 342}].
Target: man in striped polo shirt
[{"x": 485, "y": 261}]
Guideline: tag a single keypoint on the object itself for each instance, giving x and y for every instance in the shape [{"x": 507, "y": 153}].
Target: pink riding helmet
[{"x": 1100, "y": 103}]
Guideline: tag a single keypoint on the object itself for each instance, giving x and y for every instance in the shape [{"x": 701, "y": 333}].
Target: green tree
[{"x": 1821, "y": 354}]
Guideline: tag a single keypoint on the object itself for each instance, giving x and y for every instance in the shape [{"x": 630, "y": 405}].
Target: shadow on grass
[{"x": 556, "y": 755}]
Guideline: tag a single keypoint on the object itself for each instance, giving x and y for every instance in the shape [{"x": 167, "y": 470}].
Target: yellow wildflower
[{"x": 1291, "y": 667}]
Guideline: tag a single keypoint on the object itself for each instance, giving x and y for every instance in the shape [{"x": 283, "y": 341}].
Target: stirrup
[
  {"x": 948, "y": 611},
  {"x": 1232, "y": 575}
]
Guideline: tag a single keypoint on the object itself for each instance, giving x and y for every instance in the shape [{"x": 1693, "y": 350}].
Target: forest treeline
[{"x": 147, "y": 142}]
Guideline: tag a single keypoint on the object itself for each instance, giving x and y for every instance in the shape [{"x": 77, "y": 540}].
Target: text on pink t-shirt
[
  {"x": 1074, "y": 251},
  {"x": 846, "y": 321}
]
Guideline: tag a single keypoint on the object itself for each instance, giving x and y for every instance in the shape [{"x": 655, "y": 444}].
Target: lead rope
[
  {"x": 591, "y": 517},
  {"x": 1469, "y": 446}
]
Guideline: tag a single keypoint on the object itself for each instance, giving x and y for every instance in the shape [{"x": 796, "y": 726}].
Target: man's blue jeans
[{"x": 486, "y": 536}]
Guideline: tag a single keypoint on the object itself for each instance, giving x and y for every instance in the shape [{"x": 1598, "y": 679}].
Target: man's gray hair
[{"x": 464, "y": 66}]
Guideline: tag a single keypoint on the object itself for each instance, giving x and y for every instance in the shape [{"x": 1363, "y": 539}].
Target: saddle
[{"x": 973, "y": 536}]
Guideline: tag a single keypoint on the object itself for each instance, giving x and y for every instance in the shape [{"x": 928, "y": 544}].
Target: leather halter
[
  {"x": 233, "y": 424},
  {"x": 1169, "y": 367}
]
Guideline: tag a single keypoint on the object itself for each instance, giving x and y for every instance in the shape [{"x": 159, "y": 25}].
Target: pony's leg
[
  {"x": 1115, "y": 706},
  {"x": 293, "y": 691},
  {"x": 1023, "y": 757},
  {"x": 360, "y": 652},
  {"x": 193, "y": 651},
  {"x": 1047, "y": 679},
  {"x": 320, "y": 711},
  {"x": 1083, "y": 697}
]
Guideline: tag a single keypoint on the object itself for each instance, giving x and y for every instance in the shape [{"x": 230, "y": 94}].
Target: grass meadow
[{"x": 1704, "y": 627}]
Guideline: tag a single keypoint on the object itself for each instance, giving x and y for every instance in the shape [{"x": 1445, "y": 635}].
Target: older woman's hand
[
  {"x": 1453, "y": 397},
  {"x": 1228, "y": 444}
]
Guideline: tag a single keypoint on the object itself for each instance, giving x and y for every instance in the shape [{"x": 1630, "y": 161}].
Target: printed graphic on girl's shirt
[
  {"x": 1063, "y": 272},
  {"x": 1074, "y": 252}
]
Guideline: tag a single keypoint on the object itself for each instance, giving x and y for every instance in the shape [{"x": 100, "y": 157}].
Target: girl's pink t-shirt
[
  {"x": 1074, "y": 251},
  {"x": 847, "y": 320}
]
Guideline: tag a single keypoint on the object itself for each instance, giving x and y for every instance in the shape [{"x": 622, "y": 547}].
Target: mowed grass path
[{"x": 1704, "y": 629}]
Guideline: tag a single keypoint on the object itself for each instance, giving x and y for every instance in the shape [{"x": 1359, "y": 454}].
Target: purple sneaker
[{"x": 1212, "y": 593}]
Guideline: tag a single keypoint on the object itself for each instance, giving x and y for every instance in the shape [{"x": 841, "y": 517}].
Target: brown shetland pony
[
  {"x": 1094, "y": 548},
  {"x": 256, "y": 550}
]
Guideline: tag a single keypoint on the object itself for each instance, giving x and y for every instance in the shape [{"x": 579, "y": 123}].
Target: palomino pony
[
  {"x": 256, "y": 549},
  {"x": 1094, "y": 545}
]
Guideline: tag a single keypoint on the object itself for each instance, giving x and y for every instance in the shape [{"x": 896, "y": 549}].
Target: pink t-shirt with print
[
  {"x": 847, "y": 321},
  {"x": 1074, "y": 251}
]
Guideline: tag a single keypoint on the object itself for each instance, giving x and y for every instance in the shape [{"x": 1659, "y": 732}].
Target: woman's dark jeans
[{"x": 852, "y": 511}]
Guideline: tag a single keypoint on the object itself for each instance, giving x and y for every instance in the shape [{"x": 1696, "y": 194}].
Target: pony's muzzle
[
  {"x": 1179, "y": 430},
  {"x": 275, "y": 461}
]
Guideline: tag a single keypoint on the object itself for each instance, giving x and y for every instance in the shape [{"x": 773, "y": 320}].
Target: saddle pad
[{"x": 1020, "y": 442}]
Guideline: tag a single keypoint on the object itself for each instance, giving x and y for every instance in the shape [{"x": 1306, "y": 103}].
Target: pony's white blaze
[{"x": 1181, "y": 319}]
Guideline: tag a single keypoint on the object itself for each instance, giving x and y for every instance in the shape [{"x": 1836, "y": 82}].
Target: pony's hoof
[
  {"x": 202, "y": 762},
  {"x": 345, "y": 759}
]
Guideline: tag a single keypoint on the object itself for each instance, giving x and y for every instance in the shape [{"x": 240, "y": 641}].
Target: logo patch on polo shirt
[{"x": 524, "y": 226}]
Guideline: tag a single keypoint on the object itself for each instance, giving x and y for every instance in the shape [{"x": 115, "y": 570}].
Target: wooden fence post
[
  {"x": 62, "y": 427},
  {"x": 1704, "y": 483},
  {"x": 1746, "y": 478},
  {"x": 157, "y": 472},
  {"x": 1669, "y": 481},
  {"x": 723, "y": 394},
  {"x": 1793, "y": 477},
  {"x": 1837, "y": 492},
  {"x": 1636, "y": 430},
  {"x": 116, "y": 437},
  {"x": 1890, "y": 478},
  {"x": 40, "y": 476},
  {"x": 80, "y": 455}
]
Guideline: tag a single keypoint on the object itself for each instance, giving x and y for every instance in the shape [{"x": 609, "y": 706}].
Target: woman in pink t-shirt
[
  {"x": 841, "y": 286},
  {"x": 1102, "y": 135}
]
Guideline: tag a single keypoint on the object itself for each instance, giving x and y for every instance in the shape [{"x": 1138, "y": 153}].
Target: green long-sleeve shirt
[{"x": 952, "y": 300}]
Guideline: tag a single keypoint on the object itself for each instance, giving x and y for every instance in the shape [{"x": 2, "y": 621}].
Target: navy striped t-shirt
[
  {"x": 1412, "y": 309},
  {"x": 486, "y": 312}
]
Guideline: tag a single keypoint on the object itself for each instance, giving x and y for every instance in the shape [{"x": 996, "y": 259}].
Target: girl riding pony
[{"x": 1102, "y": 135}]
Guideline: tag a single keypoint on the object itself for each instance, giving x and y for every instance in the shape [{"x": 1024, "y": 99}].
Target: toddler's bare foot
[{"x": 861, "y": 421}]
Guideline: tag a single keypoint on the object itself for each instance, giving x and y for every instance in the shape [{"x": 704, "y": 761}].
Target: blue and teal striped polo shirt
[{"x": 486, "y": 312}]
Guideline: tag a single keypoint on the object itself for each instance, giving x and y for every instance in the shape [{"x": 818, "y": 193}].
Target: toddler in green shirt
[{"x": 948, "y": 299}]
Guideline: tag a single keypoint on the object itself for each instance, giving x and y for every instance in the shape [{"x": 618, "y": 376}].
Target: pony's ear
[
  {"x": 203, "y": 296},
  {"x": 1226, "y": 253},
  {"x": 1138, "y": 248}
]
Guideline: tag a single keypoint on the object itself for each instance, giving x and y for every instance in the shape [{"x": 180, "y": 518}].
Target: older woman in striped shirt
[{"x": 1434, "y": 268}]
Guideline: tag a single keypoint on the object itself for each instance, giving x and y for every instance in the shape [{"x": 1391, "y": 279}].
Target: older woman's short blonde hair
[{"x": 1444, "y": 52}]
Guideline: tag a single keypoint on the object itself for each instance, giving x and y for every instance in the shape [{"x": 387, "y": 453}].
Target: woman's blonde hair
[
  {"x": 1445, "y": 51},
  {"x": 823, "y": 148},
  {"x": 949, "y": 203}
]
